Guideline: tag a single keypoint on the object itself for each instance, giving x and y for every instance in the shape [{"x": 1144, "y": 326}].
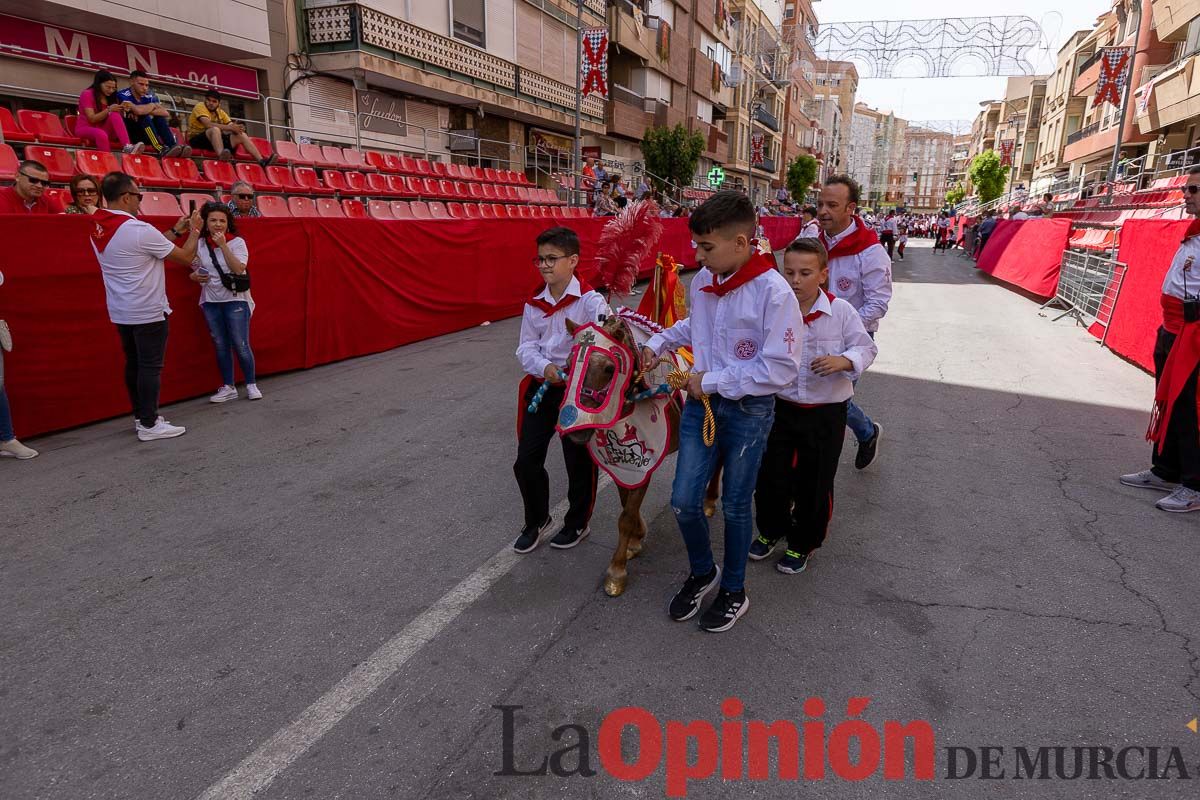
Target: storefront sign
[
  {"x": 66, "y": 47},
  {"x": 380, "y": 113},
  {"x": 551, "y": 144}
]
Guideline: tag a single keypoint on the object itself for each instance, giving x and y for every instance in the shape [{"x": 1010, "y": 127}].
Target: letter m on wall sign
[{"x": 57, "y": 47}]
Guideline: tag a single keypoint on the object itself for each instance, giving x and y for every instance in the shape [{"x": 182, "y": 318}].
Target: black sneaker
[
  {"x": 686, "y": 601},
  {"x": 530, "y": 538},
  {"x": 869, "y": 449},
  {"x": 792, "y": 563},
  {"x": 569, "y": 537},
  {"x": 762, "y": 547},
  {"x": 724, "y": 611},
  {"x": 269, "y": 160}
]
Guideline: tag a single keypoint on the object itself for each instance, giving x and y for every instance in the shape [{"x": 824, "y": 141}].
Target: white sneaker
[
  {"x": 14, "y": 449},
  {"x": 252, "y": 392},
  {"x": 223, "y": 394},
  {"x": 1180, "y": 501},
  {"x": 134, "y": 149},
  {"x": 1146, "y": 479},
  {"x": 161, "y": 430}
]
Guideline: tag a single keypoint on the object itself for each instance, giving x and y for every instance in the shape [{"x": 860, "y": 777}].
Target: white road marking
[{"x": 261, "y": 767}]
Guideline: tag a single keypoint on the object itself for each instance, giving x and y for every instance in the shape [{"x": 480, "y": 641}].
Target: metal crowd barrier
[{"x": 1088, "y": 286}]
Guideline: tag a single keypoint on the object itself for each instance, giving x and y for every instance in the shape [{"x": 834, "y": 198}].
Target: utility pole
[
  {"x": 1112, "y": 169},
  {"x": 578, "y": 167}
]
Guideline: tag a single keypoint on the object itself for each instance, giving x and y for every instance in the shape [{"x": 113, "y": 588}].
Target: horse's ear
[{"x": 572, "y": 327}]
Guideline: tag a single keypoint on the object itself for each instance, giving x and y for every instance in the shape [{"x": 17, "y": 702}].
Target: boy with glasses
[
  {"x": 28, "y": 194},
  {"x": 543, "y": 350}
]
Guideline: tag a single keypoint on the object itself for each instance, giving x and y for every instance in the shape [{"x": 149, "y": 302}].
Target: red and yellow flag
[{"x": 666, "y": 302}]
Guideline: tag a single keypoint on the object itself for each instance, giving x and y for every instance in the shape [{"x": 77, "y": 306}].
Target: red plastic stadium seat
[
  {"x": 402, "y": 185},
  {"x": 184, "y": 171},
  {"x": 439, "y": 169},
  {"x": 307, "y": 177},
  {"x": 515, "y": 211},
  {"x": 302, "y": 207},
  {"x": 420, "y": 209},
  {"x": 476, "y": 191},
  {"x": 422, "y": 168},
  {"x": 58, "y": 162},
  {"x": 460, "y": 190},
  {"x": 328, "y": 207},
  {"x": 315, "y": 154},
  {"x": 520, "y": 177},
  {"x": 500, "y": 211},
  {"x": 272, "y": 205},
  {"x": 336, "y": 180},
  {"x": 489, "y": 192},
  {"x": 354, "y": 209},
  {"x": 147, "y": 171},
  {"x": 356, "y": 160},
  {"x": 510, "y": 192},
  {"x": 159, "y": 204},
  {"x": 486, "y": 211},
  {"x": 255, "y": 176},
  {"x": 408, "y": 164},
  {"x": 96, "y": 163},
  {"x": 453, "y": 172},
  {"x": 196, "y": 198},
  {"x": 8, "y": 163},
  {"x": 437, "y": 210},
  {"x": 60, "y": 194},
  {"x": 13, "y": 132},
  {"x": 380, "y": 209},
  {"x": 221, "y": 173},
  {"x": 523, "y": 194},
  {"x": 401, "y": 209},
  {"x": 356, "y": 181},
  {"x": 471, "y": 210},
  {"x": 384, "y": 162},
  {"x": 455, "y": 210},
  {"x": 289, "y": 153},
  {"x": 490, "y": 175},
  {"x": 378, "y": 185},
  {"x": 281, "y": 178},
  {"x": 264, "y": 148},
  {"x": 46, "y": 127},
  {"x": 333, "y": 155}
]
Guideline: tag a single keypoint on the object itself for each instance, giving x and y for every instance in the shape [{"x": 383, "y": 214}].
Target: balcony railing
[
  {"x": 352, "y": 26},
  {"x": 767, "y": 165},
  {"x": 1084, "y": 132},
  {"x": 761, "y": 114}
]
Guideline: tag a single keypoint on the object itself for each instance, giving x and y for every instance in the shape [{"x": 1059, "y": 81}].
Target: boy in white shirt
[
  {"x": 543, "y": 350},
  {"x": 745, "y": 331},
  {"x": 794, "y": 498}
]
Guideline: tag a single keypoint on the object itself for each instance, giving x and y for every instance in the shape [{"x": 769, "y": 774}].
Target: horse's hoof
[{"x": 614, "y": 587}]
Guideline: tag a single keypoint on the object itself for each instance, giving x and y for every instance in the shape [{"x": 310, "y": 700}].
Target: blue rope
[{"x": 541, "y": 392}]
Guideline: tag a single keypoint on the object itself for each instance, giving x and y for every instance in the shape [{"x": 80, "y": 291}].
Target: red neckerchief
[
  {"x": 107, "y": 224},
  {"x": 809, "y": 319},
  {"x": 1172, "y": 313},
  {"x": 565, "y": 302},
  {"x": 757, "y": 265},
  {"x": 1181, "y": 363},
  {"x": 862, "y": 238}
]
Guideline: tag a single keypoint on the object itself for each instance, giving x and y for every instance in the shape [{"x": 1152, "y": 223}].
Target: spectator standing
[
  {"x": 211, "y": 128},
  {"x": 102, "y": 116},
  {"x": 241, "y": 203},
  {"x": 984, "y": 231},
  {"x": 27, "y": 195},
  {"x": 809, "y": 229},
  {"x": 85, "y": 195},
  {"x": 148, "y": 121},
  {"x": 227, "y": 312},
  {"x": 131, "y": 255},
  {"x": 643, "y": 189},
  {"x": 9, "y": 446}
]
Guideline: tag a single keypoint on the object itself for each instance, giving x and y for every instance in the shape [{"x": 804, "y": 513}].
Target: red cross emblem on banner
[
  {"x": 1006, "y": 152},
  {"x": 595, "y": 60},
  {"x": 757, "y": 143},
  {"x": 1114, "y": 65}
]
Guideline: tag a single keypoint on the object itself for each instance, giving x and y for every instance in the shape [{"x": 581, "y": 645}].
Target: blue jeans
[
  {"x": 6, "y": 428},
  {"x": 742, "y": 430},
  {"x": 229, "y": 324},
  {"x": 856, "y": 419}
]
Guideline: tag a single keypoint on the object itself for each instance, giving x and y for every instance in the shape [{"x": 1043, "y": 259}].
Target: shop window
[{"x": 468, "y": 21}]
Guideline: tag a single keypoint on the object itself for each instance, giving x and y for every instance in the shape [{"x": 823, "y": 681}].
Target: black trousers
[
  {"x": 888, "y": 240},
  {"x": 1179, "y": 461},
  {"x": 534, "y": 432},
  {"x": 145, "y": 348},
  {"x": 794, "y": 496}
]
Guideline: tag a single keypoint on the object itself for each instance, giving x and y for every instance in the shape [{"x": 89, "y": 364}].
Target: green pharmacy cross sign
[{"x": 716, "y": 176}]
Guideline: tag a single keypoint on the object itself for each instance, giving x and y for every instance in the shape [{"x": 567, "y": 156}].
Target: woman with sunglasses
[
  {"x": 9, "y": 446},
  {"x": 85, "y": 195},
  {"x": 227, "y": 313},
  {"x": 102, "y": 116}
]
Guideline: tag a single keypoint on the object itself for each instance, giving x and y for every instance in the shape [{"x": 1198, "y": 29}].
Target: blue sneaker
[
  {"x": 792, "y": 563},
  {"x": 762, "y": 547}
]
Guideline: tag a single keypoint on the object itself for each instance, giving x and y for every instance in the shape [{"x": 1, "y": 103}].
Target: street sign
[{"x": 716, "y": 176}]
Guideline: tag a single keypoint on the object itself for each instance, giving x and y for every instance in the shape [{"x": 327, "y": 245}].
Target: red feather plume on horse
[{"x": 624, "y": 244}]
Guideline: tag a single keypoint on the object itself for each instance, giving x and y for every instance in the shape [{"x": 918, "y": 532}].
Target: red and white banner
[
  {"x": 1114, "y": 71},
  {"x": 1145, "y": 94},
  {"x": 1006, "y": 152},
  {"x": 757, "y": 142},
  {"x": 68, "y": 47},
  {"x": 594, "y": 42}
]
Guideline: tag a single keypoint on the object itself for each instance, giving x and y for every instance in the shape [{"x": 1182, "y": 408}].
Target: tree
[
  {"x": 801, "y": 173},
  {"x": 671, "y": 154},
  {"x": 988, "y": 176},
  {"x": 956, "y": 195}
]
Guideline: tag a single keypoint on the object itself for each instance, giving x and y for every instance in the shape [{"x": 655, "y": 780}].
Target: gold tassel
[{"x": 678, "y": 380}]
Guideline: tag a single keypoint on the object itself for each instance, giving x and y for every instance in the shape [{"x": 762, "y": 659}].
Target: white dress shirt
[
  {"x": 864, "y": 280},
  {"x": 838, "y": 331},
  {"x": 746, "y": 343},
  {"x": 809, "y": 231},
  {"x": 544, "y": 340},
  {"x": 1184, "y": 273},
  {"x": 135, "y": 282}
]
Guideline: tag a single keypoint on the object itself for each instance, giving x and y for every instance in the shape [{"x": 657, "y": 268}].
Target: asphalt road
[{"x": 311, "y": 596}]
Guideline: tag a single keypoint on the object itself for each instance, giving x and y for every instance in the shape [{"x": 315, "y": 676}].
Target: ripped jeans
[
  {"x": 742, "y": 430},
  {"x": 229, "y": 324}
]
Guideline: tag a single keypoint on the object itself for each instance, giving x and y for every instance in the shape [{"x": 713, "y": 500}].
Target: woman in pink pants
[{"x": 101, "y": 120}]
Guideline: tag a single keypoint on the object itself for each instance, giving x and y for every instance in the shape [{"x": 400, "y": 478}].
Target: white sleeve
[
  {"x": 776, "y": 366},
  {"x": 596, "y": 306},
  {"x": 860, "y": 348},
  {"x": 240, "y": 251},
  {"x": 876, "y": 283},
  {"x": 153, "y": 242},
  {"x": 529, "y": 349},
  {"x": 677, "y": 336}
]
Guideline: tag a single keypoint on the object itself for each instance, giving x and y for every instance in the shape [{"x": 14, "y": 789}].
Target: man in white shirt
[
  {"x": 131, "y": 255},
  {"x": 860, "y": 272}
]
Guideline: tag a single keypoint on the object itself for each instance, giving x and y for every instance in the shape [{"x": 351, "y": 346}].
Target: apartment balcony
[
  {"x": 628, "y": 29},
  {"x": 706, "y": 17},
  {"x": 350, "y": 40},
  {"x": 716, "y": 142},
  {"x": 766, "y": 118},
  {"x": 767, "y": 166},
  {"x": 1087, "y": 73},
  {"x": 626, "y": 113},
  {"x": 1174, "y": 96},
  {"x": 708, "y": 80},
  {"x": 666, "y": 116},
  {"x": 1171, "y": 18}
]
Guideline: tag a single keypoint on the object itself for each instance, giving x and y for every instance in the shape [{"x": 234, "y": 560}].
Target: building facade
[
  {"x": 799, "y": 30},
  {"x": 928, "y": 156},
  {"x": 833, "y": 108},
  {"x": 1167, "y": 101},
  {"x": 1062, "y": 116},
  {"x": 1020, "y": 122},
  {"x": 760, "y": 73}
]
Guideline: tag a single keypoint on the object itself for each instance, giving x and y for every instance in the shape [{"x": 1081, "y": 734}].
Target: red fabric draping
[
  {"x": 325, "y": 290},
  {"x": 1027, "y": 253},
  {"x": 780, "y": 231},
  {"x": 1147, "y": 247}
]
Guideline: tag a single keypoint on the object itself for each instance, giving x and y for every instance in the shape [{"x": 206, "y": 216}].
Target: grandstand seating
[
  {"x": 184, "y": 171},
  {"x": 147, "y": 171},
  {"x": 9, "y": 163},
  {"x": 300, "y": 207},
  {"x": 13, "y": 132},
  {"x": 160, "y": 204},
  {"x": 354, "y": 209},
  {"x": 47, "y": 127}
]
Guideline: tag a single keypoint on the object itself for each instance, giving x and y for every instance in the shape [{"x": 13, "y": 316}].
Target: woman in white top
[
  {"x": 227, "y": 313},
  {"x": 9, "y": 446}
]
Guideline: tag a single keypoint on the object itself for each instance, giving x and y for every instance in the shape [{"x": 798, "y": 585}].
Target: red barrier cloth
[
  {"x": 780, "y": 231},
  {"x": 325, "y": 289},
  {"x": 1147, "y": 248},
  {"x": 1027, "y": 253}
]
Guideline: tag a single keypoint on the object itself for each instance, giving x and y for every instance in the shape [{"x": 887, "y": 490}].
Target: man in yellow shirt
[{"x": 210, "y": 128}]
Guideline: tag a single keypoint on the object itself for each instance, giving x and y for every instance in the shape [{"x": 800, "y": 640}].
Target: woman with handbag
[
  {"x": 9, "y": 446},
  {"x": 225, "y": 298}
]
